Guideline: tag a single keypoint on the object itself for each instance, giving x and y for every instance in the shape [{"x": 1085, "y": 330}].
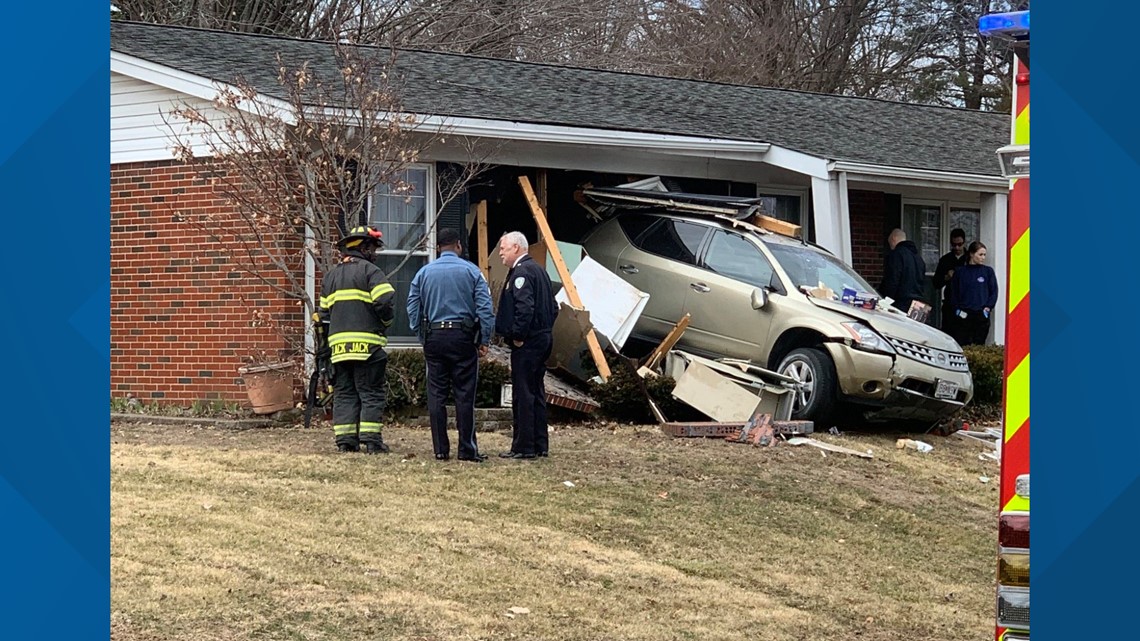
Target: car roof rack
[{"x": 746, "y": 213}]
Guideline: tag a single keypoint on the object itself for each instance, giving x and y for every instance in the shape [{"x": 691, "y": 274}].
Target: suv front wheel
[{"x": 813, "y": 368}]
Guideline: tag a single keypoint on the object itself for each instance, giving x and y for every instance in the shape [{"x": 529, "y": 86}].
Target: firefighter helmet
[{"x": 359, "y": 235}]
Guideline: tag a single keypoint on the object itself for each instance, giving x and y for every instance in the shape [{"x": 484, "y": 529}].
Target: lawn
[{"x": 624, "y": 533}]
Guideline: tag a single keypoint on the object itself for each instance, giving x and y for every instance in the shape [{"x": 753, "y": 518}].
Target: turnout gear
[{"x": 356, "y": 306}]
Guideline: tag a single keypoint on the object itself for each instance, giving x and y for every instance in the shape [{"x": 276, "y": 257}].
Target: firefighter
[
  {"x": 526, "y": 316},
  {"x": 357, "y": 308}
]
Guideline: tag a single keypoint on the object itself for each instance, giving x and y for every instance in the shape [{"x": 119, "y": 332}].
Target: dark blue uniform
[
  {"x": 526, "y": 313},
  {"x": 449, "y": 307}
]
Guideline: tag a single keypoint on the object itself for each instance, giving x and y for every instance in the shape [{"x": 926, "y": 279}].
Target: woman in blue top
[{"x": 975, "y": 294}]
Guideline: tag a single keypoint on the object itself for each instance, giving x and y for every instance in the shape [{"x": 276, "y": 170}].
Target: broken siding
[{"x": 139, "y": 114}]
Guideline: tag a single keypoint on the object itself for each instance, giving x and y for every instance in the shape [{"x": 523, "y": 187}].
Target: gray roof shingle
[{"x": 834, "y": 127}]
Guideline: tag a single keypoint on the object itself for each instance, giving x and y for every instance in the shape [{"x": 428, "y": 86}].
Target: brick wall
[
  {"x": 870, "y": 224},
  {"x": 183, "y": 314}
]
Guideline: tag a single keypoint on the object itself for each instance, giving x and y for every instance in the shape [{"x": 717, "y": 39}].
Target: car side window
[
  {"x": 733, "y": 256},
  {"x": 674, "y": 239},
  {"x": 634, "y": 224}
]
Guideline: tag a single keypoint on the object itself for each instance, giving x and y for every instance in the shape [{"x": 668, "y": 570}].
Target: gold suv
[{"x": 745, "y": 289}]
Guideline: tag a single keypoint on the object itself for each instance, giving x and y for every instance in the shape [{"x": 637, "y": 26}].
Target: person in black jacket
[
  {"x": 950, "y": 261},
  {"x": 903, "y": 272},
  {"x": 975, "y": 295},
  {"x": 357, "y": 307},
  {"x": 526, "y": 315}
]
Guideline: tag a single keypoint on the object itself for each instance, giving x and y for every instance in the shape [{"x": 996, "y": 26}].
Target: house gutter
[{"x": 902, "y": 175}]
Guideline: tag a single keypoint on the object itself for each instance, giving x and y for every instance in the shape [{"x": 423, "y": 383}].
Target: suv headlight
[{"x": 867, "y": 339}]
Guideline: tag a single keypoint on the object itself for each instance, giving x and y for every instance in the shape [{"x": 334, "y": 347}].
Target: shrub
[
  {"x": 622, "y": 399},
  {"x": 987, "y": 366},
  {"x": 407, "y": 382}
]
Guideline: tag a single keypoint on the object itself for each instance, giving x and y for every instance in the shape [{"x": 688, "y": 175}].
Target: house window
[
  {"x": 788, "y": 206},
  {"x": 403, "y": 211},
  {"x": 929, "y": 224}
]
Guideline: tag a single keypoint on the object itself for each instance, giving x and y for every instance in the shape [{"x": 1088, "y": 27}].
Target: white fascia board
[
  {"x": 588, "y": 136},
  {"x": 187, "y": 83},
  {"x": 918, "y": 177},
  {"x": 799, "y": 162}
]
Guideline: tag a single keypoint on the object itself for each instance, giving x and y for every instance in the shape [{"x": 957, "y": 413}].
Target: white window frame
[
  {"x": 785, "y": 190},
  {"x": 944, "y": 224},
  {"x": 430, "y": 214}
]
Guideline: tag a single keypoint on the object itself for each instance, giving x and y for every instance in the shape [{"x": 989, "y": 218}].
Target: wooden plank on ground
[
  {"x": 564, "y": 274},
  {"x": 671, "y": 339},
  {"x": 481, "y": 233}
]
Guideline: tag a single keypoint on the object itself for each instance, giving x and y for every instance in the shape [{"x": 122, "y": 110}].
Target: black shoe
[
  {"x": 478, "y": 458},
  {"x": 347, "y": 447},
  {"x": 442, "y": 457},
  {"x": 376, "y": 448},
  {"x": 506, "y": 454},
  {"x": 520, "y": 455},
  {"x": 543, "y": 454}
]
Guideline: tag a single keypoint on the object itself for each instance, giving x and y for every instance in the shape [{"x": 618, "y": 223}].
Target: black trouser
[
  {"x": 973, "y": 329},
  {"x": 452, "y": 367},
  {"x": 948, "y": 318},
  {"x": 528, "y": 397},
  {"x": 360, "y": 393}
]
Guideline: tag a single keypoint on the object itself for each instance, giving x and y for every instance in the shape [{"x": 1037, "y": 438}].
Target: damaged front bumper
[{"x": 896, "y": 387}]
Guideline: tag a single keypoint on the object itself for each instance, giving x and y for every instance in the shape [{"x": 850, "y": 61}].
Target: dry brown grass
[{"x": 267, "y": 534}]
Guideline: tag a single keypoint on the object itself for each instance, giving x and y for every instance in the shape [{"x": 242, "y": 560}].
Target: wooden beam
[
  {"x": 776, "y": 225},
  {"x": 481, "y": 233},
  {"x": 671, "y": 339},
  {"x": 563, "y": 273},
  {"x": 540, "y": 188}
]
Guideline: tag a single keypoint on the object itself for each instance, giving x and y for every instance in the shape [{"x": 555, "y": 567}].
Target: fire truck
[{"x": 1013, "y": 517}]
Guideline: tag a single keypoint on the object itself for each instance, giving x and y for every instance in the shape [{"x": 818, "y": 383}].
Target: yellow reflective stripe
[
  {"x": 341, "y": 430},
  {"x": 380, "y": 290},
  {"x": 348, "y": 294},
  {"x": 387, "y": 323},
  {"x": 356, "y": 356},
  {"x": 1016, "y": 504},
  {"x": 357, "y": 337},
  {"x": 1021, "y": 127},
  {"x": 370, "y": 428},
  {"x": 1019, "y": 271},
  {"x": 325, "y": 302},
  {"x": 1017, "y": 398}
]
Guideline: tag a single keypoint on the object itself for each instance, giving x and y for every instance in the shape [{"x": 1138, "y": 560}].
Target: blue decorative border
[
  {"x": 54, "y": 159},
  {"x": 1085, "y": 443}
]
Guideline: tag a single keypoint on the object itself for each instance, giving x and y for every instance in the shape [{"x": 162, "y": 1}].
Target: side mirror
[{"x": 759, "y": 298}]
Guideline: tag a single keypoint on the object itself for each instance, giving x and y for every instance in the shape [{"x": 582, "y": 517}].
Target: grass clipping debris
[{"x": 623, "y": 533}]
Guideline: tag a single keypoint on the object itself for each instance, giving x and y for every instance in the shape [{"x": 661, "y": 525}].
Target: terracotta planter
[{"x": 269, "y": 387}]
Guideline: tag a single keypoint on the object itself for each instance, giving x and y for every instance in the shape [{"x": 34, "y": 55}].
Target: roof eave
[{"x": 923, "y": 177}]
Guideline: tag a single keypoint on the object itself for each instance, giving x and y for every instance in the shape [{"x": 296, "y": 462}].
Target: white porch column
[
  {"x": 994, "y": 232},
  {"x": 831, "y": 218}
]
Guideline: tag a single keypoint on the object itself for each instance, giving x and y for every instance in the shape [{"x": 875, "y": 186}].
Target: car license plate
[{"x": 946, "y": 389}]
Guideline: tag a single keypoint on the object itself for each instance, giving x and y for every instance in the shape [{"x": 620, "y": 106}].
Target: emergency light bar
[{"x": 1013, "y": 25}]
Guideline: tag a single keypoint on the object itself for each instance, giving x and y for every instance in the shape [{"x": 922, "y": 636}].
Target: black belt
[{"x": 452, "y": 325}]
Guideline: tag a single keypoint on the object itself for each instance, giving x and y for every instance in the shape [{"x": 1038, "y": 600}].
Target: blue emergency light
[{"x": 1013, "y": 25}]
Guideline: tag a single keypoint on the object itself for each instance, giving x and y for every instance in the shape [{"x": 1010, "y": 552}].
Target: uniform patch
[
  {"x": 519, "y": 282},
  {"x": 981, "y": 279}
]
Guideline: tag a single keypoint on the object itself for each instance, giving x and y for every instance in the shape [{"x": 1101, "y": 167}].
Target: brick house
[{"x": 847, "y": 169}]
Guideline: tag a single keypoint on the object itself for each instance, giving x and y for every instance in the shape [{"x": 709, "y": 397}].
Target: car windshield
[{"x": 810, "y": 267}]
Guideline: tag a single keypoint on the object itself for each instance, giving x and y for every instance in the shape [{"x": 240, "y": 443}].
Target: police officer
[
  {"x": 357, "y": 307},
  {"x": 526, "y": 316},
  {"x": 449, "y": 308}
]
